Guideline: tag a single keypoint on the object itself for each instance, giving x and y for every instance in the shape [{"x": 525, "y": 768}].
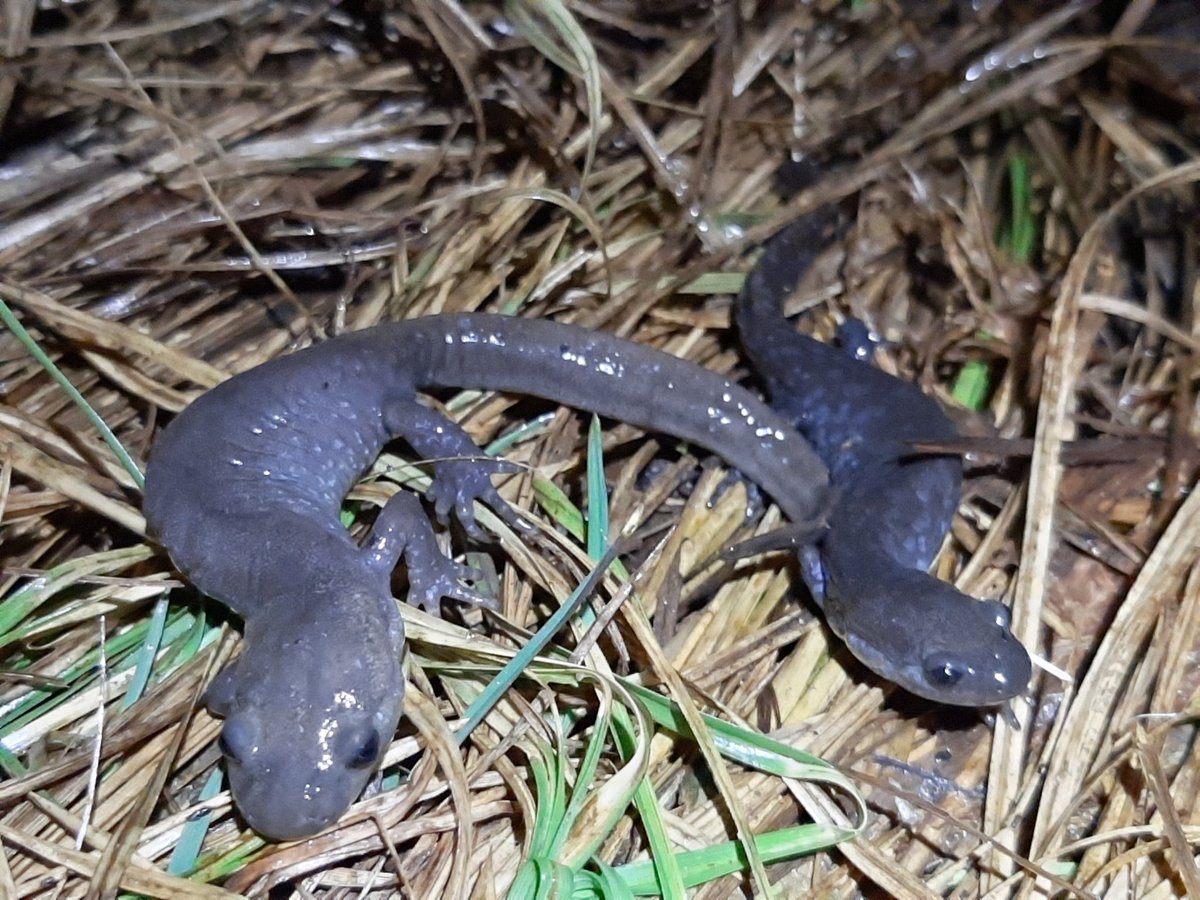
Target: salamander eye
[
  {"x": 236, "y": 742},
  {"x": 366, "y": 752},
  {"x": 943, "y": 672}
]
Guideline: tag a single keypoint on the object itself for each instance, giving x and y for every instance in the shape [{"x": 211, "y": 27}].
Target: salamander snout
[
  {"x": 309, "y": 716},
  {"x": 929, "y": 638},
  {"x": 978, "y": 662},
  {"x": 291, "y": 793}
]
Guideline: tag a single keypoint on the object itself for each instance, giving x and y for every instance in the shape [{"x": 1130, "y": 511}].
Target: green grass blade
[
  {"x": 512, "y": 670},
  {"x": 15, "y": 326},
  {"x": 584, "y": 775},
  {"x": 1022, "y": 237},
  {"x": 187, "y": 851},
  {"x": 701, "y": 866},
  {"x": 558, "y": 506},
  {"x": 542, "y": 879},
  {"x": 15, "y": 611},
  {"x": 667, "y": 875},
  {"x": 749, "y": 748},
  {"x": 549, "y": 788},
  {"x": 597, "y": 508},
  {"x": 524, "y": 432},
  {"x": 147, "y": 653},
  {"x": 583, "y": 61},
  {"x": 972, "y": 385}
]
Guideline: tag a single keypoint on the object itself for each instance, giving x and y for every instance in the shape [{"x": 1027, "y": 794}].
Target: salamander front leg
[
  {"x": 854, "y": 337},
  {"x": 462, "y": 473},
  {"x": 402, "y": 529}
]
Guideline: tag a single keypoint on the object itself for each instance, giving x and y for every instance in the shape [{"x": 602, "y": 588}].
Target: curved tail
[
  {"x": 782, "y": 357},
  {"x": 786, "y": 256}
]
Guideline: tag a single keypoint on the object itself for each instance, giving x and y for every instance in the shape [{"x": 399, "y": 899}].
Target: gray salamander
[
  {"x": 245, "y": 486},
  {"x": 892, "y": 507}
]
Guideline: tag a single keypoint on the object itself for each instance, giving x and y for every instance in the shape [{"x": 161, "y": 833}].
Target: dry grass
[{"x": 189, "y": 189}]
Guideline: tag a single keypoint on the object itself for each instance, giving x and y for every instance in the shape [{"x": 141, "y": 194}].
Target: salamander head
[
  {"x": 308, "y": 714},
  {"x": 934, "y": 641}
]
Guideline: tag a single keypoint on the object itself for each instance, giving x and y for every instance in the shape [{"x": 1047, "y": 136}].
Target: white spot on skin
[
  {"x": 714, "y": 413},
  {"x": 325, "y": 735},
  {"x": 471, "y": 337},
  {"x": 236, "y": 462}
]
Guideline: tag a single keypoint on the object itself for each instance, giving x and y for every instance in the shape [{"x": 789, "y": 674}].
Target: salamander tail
[{"x": 785, "y": 258}]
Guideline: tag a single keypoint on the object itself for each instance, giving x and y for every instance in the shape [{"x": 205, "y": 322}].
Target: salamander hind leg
[
  {"x": 402, "y": 529},
  {"x": 462, "y": 473}
]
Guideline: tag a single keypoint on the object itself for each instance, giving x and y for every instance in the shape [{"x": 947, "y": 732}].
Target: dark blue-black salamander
[
  {"x": 892, "y": 506},
  {"x": 244, "y": 489}
]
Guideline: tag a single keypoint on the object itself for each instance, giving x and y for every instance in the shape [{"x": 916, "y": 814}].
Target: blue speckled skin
[
  {"x": 244, "y": 489},
  {"x": 892, "y": 507}
]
